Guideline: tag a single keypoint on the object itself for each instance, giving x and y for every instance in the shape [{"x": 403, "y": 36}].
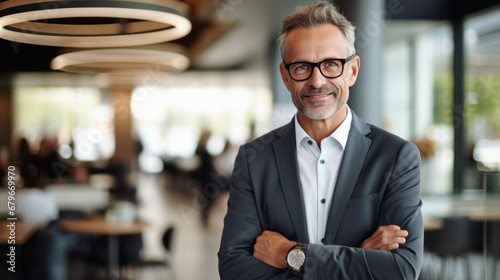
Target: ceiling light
[
  {"x": 153, "y": 58},
  {"x": 93, "y": 24}
]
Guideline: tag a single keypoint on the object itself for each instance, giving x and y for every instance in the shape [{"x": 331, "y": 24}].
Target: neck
[{"x": 320, "y": 129}]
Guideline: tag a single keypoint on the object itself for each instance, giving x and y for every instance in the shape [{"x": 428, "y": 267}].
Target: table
[
  {"x": 99, "y": 225},
  {"x": 433, "y": 223},
  {"x": 22, "y": 233},
  {"x": 485, "y": 214}
]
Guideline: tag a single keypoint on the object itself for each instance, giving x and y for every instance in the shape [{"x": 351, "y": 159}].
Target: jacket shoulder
[{"x": 388, "y": 141}]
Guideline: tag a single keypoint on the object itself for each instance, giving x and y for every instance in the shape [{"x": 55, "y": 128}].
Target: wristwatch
[{"x": 296, "y": 258}]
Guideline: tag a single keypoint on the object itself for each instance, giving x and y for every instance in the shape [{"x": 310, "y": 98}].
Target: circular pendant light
[
  {"x": 158, "y": 58},
  {"x": 93, "y": 24}
]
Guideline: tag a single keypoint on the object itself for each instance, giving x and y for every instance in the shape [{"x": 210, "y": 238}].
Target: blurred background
[{"x": 120, "y": 150}]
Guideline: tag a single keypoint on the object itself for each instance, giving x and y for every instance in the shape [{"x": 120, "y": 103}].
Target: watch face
[{"x": 296, "y": 258}]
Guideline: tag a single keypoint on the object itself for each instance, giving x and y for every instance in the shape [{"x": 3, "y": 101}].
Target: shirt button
[
  {"x": 322, "y": 161},
  {"x": 322, "y": 240},
  {"x": 323, "y": 201},
  {"x": 310, "y": 142}
]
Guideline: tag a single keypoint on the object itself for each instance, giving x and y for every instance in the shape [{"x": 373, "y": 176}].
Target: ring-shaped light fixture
[
  {"x": 140, "y": 22},
  {"x": 156, "y": 58}
]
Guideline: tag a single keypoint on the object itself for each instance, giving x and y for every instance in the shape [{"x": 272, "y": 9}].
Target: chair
[
  {"x": 161, "y": 268},
  {"x": 96, "y": 258},
  {"x": 452, "y": 244}
]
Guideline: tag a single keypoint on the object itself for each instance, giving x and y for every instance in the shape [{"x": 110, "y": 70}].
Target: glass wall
[
  {"x": 482, "y": 100},
  {"x": 418, "y": 96}
]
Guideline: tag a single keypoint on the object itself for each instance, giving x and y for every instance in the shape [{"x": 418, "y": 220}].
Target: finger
[
  {"x": 397, "y": 233},
  {"x": 392, "y": 231},
  {"x": 394, "y": 244},
  {"x": 383, "y": 230},
  {"x": 386, "y": 237},
  {"x": 395, "y": 227},
  {"x": 394, "y": 239},
  {"x": 403, "y": 233}
]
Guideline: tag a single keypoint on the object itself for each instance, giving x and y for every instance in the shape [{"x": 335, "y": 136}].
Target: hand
[
  {"x": 271, "y": 248},
  {"x": 385, "y": 238}
]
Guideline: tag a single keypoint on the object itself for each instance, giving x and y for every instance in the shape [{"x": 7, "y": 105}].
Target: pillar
[
  {"x": 369, "y": 18},
  {"x": 125, "y": 148}
]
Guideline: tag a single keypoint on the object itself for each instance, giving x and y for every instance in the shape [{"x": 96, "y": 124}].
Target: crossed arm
[{"x": 271, "y": 247}]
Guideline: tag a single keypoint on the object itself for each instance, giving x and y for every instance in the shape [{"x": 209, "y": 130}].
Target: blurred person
[
  {"x": 326, "y": 196},
  {"x": 37, "y": 207},
  {"x": 205, "y": 176},
  {"x": 48, "y": 161},
  {"x": 27, "y": 161},
  {"x": 80, "y": 173}
]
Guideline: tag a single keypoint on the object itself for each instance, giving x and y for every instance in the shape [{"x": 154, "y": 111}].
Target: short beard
[{"x": 320, "y": 114}]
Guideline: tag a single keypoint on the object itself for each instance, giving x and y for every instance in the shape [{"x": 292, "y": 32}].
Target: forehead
[{"x": 315, "y": 43}]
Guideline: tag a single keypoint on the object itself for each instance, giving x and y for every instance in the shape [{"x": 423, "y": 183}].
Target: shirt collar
[{"x": 340, "y": 134}]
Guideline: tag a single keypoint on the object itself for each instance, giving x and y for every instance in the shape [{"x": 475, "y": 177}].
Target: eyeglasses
[{"x": 329, "y": 68}]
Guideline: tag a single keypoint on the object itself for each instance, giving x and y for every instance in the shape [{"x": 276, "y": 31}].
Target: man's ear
[
  {"x": 354, "y": 69},
  {"x": 284, "y": 76}
]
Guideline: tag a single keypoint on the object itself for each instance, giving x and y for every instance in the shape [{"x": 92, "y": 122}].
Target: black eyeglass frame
[{"x": 317, "y": 64}]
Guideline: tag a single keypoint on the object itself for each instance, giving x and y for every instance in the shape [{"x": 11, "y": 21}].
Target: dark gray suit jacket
[{"x": 378, "y": 184}]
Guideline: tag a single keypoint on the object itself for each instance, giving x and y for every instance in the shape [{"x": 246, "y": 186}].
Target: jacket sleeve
[
  {"x": 401, "y": 206},
  {"x": 241, "y": 228}
]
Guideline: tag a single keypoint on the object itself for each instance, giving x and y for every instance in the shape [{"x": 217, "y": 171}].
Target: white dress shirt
[{"x": 318, "y": 169}]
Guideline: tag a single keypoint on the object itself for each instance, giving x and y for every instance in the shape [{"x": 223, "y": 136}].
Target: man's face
[{"x": 318, "y": 97}]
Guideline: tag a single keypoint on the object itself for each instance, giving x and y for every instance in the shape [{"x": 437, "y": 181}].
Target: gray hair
[{"x": 313, "y": 15}]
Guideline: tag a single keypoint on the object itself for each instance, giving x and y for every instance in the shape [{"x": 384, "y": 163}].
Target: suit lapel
[
  {"x": 354, "y": 157},
  {"x": 286, "y": 160}
]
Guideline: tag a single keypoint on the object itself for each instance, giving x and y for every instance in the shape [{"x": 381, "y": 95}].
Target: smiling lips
[
  {"x": 317, "y": 96},
  {"x": 318, "y": 93}
]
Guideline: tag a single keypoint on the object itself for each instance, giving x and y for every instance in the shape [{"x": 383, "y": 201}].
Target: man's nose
[{"x": 317, "y": 80}]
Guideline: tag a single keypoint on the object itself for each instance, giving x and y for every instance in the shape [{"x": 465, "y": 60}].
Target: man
[{"x": 326, "y": 196}]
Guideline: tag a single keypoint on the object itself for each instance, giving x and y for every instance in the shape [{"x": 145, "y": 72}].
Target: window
[
  {"x": 418, "y": 96},
  {"x": 77, "y": 117}
]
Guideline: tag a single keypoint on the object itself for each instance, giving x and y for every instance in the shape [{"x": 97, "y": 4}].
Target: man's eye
[
  {"x": 301, "y": 68},
  {"x": 331, "y": 64}
]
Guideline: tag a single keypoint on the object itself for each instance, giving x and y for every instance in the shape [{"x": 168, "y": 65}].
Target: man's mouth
[
  {"x": 318, "y": 93},
  {"x": 323, "y": 95}
]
